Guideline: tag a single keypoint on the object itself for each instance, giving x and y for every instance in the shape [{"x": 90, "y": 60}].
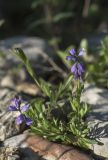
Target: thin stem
[{"x": 86, "y": 8}]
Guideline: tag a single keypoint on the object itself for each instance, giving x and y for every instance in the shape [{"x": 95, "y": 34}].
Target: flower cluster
[
  {"x": 77, "y": 68},
  {"x": 16, "y": 105}
]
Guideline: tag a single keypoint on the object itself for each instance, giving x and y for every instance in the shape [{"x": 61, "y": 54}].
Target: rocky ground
[{"x": 16, "y": 143}]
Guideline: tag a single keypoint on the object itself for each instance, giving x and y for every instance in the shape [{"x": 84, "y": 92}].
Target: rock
[
  {"x": 98, "y": 99},
  {"x": 8, "y": 153},
  {"x": 7, "y": 119},
  {"x": 98, "y": 117},
  {"x": 12, "y": 78},
  {"x": 27, "y": 88},
  {"x": 8, "y": 123},
  {"x": 29, "y": 154},
  {"x": 54, "y": 151},
  {"x": 17, "y": 141},
  {"x": 2, "y": 60},
  {"x": 46, "y": 149},
  {"x": 94, "y": 41},
  {"x": 24, "y": 151},
  {"x": 7, "y": 82},
  {"x": 5, "y": 96},
  {"x": 10, "y": 74},
  {"x": 2, "y": 132},
  {"x": 35, "y": 48}
]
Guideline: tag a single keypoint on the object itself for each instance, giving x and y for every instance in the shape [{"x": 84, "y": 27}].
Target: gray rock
[
  {"x": 100, "y": 132},
  {"x": 7, "y": 81},
  {"x": 2, "y": 61},
  {"x": 8, "y": 153},
  {"x": 2, "y": 132},
  {"x": 12, "y": 77},
  {"x": 29, "y": 154},
  {"x": 34, "y": 47},
  {"x": 19, "y": 142},
  {"x": 47, "y": 150},
  {"x": 98, "y": 117},
  {"x": 8, "y": 127},
  {"x": 16, "y": 141},
  {"x": 5, "y": 96},
  {"x": 98, "y": 99},
  {"x": 94, "y": 41}
]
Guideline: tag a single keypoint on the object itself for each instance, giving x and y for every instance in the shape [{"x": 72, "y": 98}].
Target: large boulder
[
  {"x": 8, "y": 127},
  {"x": 98, "y": 117},
  {"x": 47, "y": 150},
  {"x": 35, "y": 48}
]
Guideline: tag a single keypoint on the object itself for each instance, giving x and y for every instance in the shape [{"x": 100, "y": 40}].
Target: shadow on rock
[
  {"x": 29, "y": 154},
  {"x": 99, "y": 130}
]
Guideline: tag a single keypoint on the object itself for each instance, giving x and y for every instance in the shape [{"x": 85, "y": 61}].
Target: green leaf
[
  {"x": 63, "y": 87},
  {"x": 89, "y": 141},
  {"x": 19, "y": 53},
  {"x": 66, "y": 83},
  {"x": 74, "y": 104},
  {"x": 61, "y": 16},
  {"x": 45, "y": 87},
  {"x": 84, "y": 109}
]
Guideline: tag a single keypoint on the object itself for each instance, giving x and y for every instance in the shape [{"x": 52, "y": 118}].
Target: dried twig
[{"x": 52, "y": 63}]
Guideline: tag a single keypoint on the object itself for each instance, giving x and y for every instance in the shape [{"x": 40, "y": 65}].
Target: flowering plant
[
  {"x": 78, "y": 68},
  {"x": 98, "y": 70},
  {"x": 16, "y": 106},
  {"x": 59, "y": 115}
]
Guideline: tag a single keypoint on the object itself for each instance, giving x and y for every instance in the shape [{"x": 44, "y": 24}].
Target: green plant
[
  {"x": 51, "y": 13},
  {"x": 58, "y": 115},
  {"x": 98, "y": 70}
]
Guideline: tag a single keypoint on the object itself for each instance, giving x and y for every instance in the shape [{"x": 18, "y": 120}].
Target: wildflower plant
[
  {"x": 59, "y": 115},
  {"x": 16, "y": 105},
  {"x": 77, "y": 68}
]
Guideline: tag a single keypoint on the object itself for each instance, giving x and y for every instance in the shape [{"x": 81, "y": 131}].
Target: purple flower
[
  {"x": 82, "y": 51},
  {"x": 16, "y": 105},
  {"x": 72, "y": 51},
  {"x": 77, "y": 68},
  {"x": 80, "y": 68},
  {"x": 22, "y": 118},
  {"x": 24, "y": 107},
  {"x": 74, "y": 56},
  {"x": 68, "y": 58},
  {"x": 28, "y": 121},
  {"x": 12, "y": 108},
  {"x": 74, "y": 68}
]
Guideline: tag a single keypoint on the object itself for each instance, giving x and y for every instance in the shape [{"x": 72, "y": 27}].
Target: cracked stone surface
[
  {"x": 98, "y": 117},
  {"x": 8, "y": 127},
  {"x": 45, "y": 149}
]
